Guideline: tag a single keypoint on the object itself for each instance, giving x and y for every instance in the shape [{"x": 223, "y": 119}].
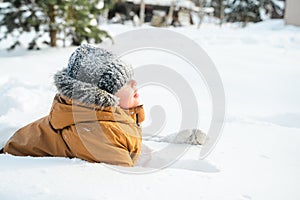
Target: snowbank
[{"x": 256, "y": 158}]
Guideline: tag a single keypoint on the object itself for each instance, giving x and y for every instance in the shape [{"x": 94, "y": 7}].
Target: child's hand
[
  {"x": 197, "y": 137},
  {"x": 188, "y": 136}
]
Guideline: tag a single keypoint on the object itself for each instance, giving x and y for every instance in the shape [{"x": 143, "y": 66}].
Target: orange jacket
[{"x": 109, "y": 134}]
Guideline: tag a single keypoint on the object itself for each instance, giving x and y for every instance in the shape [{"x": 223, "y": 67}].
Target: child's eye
[{"x": 133, "y": 83}]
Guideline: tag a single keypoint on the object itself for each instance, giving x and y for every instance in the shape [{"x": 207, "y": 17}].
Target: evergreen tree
[
  {"x": 75, "y": 20},
  {"x": 251, "y": 10},
  {"x": 247, "y": 10},
  {"x": 243, "y": 11},
  {"x": 217, "y": 5},
  {"x": 273, "y": 8}
]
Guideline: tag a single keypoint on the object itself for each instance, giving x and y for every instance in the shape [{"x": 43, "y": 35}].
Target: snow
[
  {"x": 256, "y": 157},
  {"x": 182, "y": 3},
  {"x": 152, "y": 2}
]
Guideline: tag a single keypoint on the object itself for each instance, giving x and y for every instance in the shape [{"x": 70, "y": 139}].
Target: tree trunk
[
  {"x": 170, "y": 14},
  {"x": 222, "y": 14},
  {"x": 52, "y": 26},
  {"x": 142, "y": 12}
]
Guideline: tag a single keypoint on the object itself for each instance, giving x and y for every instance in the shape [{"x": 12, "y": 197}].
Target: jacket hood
[
  {"x": 66, "y": 112},
  {"x": 83, "y": 92}
]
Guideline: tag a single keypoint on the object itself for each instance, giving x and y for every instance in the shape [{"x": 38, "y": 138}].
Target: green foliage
[
  {"x": 244, "y": 11},
  {"x": 247, "y": 10},
  {"x": 74, "y": 20}
]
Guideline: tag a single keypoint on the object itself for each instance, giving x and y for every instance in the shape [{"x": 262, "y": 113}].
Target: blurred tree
[
  {"x": 76, "y": 20},
  {"x": 247, "y": 10},
  {"x": 243, "y": 11},
  {"x": 217, "y": 5},
  {"x": 273, "y": 8}
]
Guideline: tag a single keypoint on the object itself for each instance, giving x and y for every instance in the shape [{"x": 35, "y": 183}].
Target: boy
[{"x": 95, "y": 116}]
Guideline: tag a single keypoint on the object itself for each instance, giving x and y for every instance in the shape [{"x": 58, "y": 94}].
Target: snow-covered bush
[
  {"x": 247, "y": 10},
  {"x": 73, "y": 20}
]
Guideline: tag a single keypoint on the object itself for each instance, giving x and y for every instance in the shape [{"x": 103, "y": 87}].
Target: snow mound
[{"x": 257, "y": 156}]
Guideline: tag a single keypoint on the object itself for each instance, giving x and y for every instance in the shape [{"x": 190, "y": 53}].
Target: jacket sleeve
[
  {"x": 127, "y": 146},
  {"x": 119, "y": 147},
  {"x": 105, "y": 146}
]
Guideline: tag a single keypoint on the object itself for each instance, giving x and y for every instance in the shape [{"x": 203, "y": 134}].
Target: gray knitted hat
[{"x": 93, "y": 76}]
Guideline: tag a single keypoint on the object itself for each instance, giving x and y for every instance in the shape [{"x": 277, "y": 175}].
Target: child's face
[{"x": 129, "y": 98}]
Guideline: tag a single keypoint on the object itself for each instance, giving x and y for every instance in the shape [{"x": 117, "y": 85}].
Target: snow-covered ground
[{"x": 256, "y": 157}]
